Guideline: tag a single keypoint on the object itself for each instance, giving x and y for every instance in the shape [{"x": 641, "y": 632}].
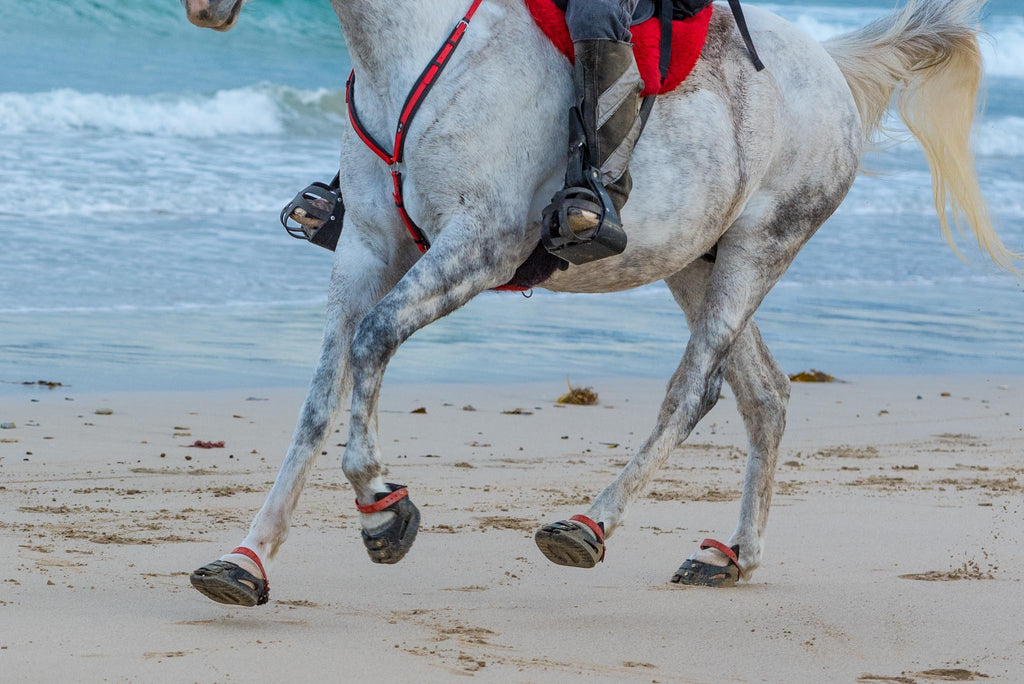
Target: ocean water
[{"x": 143, "y": 163}]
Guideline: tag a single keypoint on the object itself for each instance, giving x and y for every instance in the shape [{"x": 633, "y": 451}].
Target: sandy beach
[{"x": 894, "y": 550}]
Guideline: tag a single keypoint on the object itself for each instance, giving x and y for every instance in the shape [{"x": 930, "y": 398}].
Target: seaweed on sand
[{"x": 578, "y": 396}]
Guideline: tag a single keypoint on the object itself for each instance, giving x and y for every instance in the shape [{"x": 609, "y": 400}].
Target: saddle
[
  {"x": 668, "y": 37},
  {"x": 665, "y": 51}
]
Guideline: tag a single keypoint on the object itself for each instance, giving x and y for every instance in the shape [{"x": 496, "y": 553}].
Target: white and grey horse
[{"x": 749, "y": 162}]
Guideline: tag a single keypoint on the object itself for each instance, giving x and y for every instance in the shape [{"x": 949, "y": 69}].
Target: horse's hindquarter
[{"x": 818, "y": 139}]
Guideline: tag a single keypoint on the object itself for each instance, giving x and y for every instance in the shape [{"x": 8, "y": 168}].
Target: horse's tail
[{"x": 927, "y": 54}]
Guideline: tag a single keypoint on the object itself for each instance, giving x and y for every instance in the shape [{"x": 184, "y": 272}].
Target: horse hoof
[
  {"x": 576, "y": 543},
  {"x": 697, "y": 573},
  {"x": 390, "y": 544},
  {"x": 225, "y": 582}
]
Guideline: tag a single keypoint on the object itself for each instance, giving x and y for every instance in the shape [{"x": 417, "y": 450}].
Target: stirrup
[
  {"x": 319, "y": 213},
  {"x": 567, "y": 227}
]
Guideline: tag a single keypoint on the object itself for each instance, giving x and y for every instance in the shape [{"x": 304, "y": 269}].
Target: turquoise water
[{"x": 143, "y": 162}]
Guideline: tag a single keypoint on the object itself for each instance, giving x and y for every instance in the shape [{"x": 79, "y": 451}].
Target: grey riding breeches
[{"x": 599, "y": 19}]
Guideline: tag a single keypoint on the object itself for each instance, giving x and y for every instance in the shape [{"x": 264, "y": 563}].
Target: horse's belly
[{"x": 654, "y": 252}]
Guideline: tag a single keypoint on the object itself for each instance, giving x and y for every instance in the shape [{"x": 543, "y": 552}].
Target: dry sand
[{"x": 894, "y": 550}]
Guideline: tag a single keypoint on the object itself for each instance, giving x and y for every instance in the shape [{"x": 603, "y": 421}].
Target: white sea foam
[
  {"x": 178, "y": 307},
  {"x": 244, "y": 111},
  {"x": 1003, "y": 47},
  {"x": 1002, "y": 137}
]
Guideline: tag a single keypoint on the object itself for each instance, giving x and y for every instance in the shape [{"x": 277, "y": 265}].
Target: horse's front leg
[
  {"x": 358, "y": 280},
  {"x": 460, "y": 265}
]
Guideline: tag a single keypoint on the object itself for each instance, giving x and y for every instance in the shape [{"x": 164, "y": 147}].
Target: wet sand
[{"x": 893, "y": 554}]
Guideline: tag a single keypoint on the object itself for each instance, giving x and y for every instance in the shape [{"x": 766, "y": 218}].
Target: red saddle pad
[{"x": 688, "y": 38}]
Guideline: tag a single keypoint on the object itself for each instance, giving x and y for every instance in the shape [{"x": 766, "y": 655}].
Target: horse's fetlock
[
  {"x": 751, "y": 551},
  {"x": 358, "y": 468}
]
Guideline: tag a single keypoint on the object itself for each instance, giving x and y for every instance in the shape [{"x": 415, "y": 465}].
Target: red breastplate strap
[{"x": 412, "y": 104}]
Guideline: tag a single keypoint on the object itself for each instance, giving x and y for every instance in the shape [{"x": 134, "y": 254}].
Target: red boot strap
[
  {"x": 385, "y": 503},
  {"x": 595, "y": 528},
  {"x": 729, "y": 553},
  {"x": 251, "y": 555}
]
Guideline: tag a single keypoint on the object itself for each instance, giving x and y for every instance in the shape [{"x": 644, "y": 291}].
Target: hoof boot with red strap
[
  {"x": 699, "y": 574},
  {"x": 226, "y": 582},
  {"x": 577, "y": 542},
  {"x": 390, "y": 544}
]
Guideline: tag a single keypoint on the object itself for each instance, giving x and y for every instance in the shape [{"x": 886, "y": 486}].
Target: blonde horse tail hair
[{"x": 927, "y": 55}]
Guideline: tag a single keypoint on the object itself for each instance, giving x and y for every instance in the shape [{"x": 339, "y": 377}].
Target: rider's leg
[
  {"x": 599, "y": 19},
  {"x": 608, "y": 87}
]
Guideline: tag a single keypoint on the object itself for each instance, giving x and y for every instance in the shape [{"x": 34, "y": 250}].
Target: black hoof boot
[
  {"x": 699, "y": 574},
  {"x": 577, "y": 542},
  {"x": 226, "y": 582},
  {"x": 390, "y": 544}
]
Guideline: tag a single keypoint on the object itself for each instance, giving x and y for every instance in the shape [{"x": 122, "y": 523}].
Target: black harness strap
[
  {"x": 666, "y": 12},
  {"x": 665, "y": 9},
  {"x": 741, "y": 24}
]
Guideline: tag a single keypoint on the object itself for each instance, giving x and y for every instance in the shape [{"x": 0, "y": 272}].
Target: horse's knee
[
  {"x": 314, "y": 424},
  {"x": 368, "y": 344},
  {"x": 773, "y": 405},
  {"x": 381, "y": 331}
]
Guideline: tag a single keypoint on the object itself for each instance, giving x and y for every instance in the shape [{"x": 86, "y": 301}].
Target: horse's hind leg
[
  {"x": 762, "y": 393},
  {"x": 752, "y": 256}
]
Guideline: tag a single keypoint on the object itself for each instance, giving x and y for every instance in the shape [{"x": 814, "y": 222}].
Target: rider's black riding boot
[
  {"x": 582, "y": 223},
  {"x": 609, "y": 83}
]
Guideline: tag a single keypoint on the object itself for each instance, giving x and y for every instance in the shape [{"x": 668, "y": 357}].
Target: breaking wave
[{"x": 258, "y": 110}]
